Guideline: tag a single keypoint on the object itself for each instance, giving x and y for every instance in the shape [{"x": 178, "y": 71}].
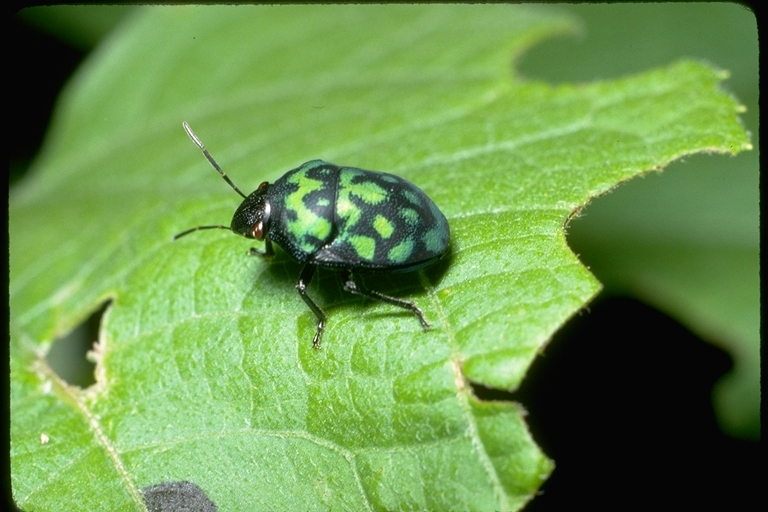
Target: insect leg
[
  {"x": 351, "y": 286},
  {"x": 268, "y": 252},
  {"x": 304, "y": 279}
]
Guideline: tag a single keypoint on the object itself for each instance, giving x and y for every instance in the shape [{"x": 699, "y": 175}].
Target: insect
[{"x": 342, "y": 218}]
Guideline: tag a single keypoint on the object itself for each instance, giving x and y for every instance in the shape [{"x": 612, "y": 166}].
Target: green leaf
[
  {"x": 206, "y": 371},
  {"x": 686, "y": 240}
]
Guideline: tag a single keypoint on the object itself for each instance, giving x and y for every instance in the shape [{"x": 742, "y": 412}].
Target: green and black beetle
[{"x": 343, "y": 218}]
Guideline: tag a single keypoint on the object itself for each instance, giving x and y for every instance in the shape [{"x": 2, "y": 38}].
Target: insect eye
[{"x": 257, "y": 231}]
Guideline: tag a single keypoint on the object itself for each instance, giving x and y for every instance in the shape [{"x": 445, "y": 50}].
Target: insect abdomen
[{"x": 385, "y": 223}]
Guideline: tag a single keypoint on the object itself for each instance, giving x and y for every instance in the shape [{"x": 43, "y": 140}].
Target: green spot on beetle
[
  {"x": 413, "y": 198},
  {"x": 347, "y": 210},
  {"x": 411, "y": 217},
  {"x": 307, "y": 223},
  {"x": 366, "y": 190},
  {"x": 383, "y": 227},
  {"x": 434, "y": 239},
  {"x": 364, "y": 246},
  {"x": 400, "y": 252}
]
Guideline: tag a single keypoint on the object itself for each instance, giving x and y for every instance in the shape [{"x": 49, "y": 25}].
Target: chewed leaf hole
[
  {"x": 68, "y": 354},
  {"x": 487, "y": 394}
]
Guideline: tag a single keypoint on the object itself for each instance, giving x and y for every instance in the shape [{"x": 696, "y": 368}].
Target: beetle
[{"x": 341, "y": 218}]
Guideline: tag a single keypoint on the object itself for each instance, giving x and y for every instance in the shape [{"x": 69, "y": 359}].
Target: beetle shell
[{"x": 345, "y": 217}]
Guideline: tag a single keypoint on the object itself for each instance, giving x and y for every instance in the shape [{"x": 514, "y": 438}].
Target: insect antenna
[
  {"x": 215, "y": 165},
  {"x": 198, "y": 228},
  {"x": 208, "y": 156}
]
